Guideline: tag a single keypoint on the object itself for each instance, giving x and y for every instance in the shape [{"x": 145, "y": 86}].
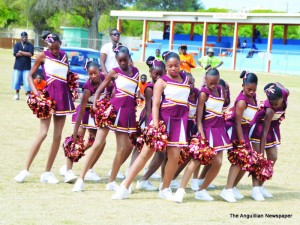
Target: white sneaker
[
  {"x": 195, "y": 184},
  {"x": 119, "y": 175},
  {"x": 227, "y": 195},
  {"x": 16, "y": 97},
  {"x": 21, "y": 177},
  {"x": 175, "y": 184},
  {"x": 130, "y": 189},
  {"x": 49, "y": 178},
  {"x": 112, "y": 186},
  {"x": 256, "y": 194},
  {"x": 78, "y": 186},
  {"x": 210, "y": 186},
  {"x": 63, "y": 170},
  {"x": 178, "y": 197},
  {"x": 203, "y": 195},
  {"x": 160, "y": 185},
  {"x": 237, "y": 194},
  {"x": 265, "y": 193},
  {"x": 121, "y": 193},
  {"x": 154, "y": 175},
  {"x": 70, "y": 177},
  {"x": 145, "y": 185},
  {"x": 166, "y": 194},
  {"x": 91, "y": 175}
]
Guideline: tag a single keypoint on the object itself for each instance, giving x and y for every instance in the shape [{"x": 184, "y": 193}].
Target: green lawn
[{"x": 36, "y": 203}]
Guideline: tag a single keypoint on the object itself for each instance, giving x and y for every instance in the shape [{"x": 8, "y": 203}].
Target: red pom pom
[
  {"x": 184, "y": 155},
  {"x": 263, "y": 169},
  {"x": 243, "y": 156},
  {"x": 137, "y": 138},
  {"x": 73, "y": 151},
  {"x": 201, "y": 150},
  {"x": 156, "y": 138},
  {"x": 91, "y": 140},
  {"x": 105, "y": 114},
  {"x": 73, "y": 84},
  {"x": 42, "y": 106}
]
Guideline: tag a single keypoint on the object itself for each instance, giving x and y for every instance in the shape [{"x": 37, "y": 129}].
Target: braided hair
[
  {"x": 90, "y": 64},
  {"x": 170, "y": 55},
  {"x": 153, "y": 63},
  {"x": 248, "y": 77},
  {"x": 211, "y": 71},
  {"x": 121, "y": 49},
  {"x": 50, "y": 37},
  {"x": 273, "y": 92}
]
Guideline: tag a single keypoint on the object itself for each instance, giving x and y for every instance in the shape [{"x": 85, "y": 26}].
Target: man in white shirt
[{"x": 107, "y": 56}]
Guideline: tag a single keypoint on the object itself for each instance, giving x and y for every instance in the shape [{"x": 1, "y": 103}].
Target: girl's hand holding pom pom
[
  {"x": 200, "y": 149},
  {"x": 74, "y": 149},
  {"x": 42, "y": 105},
  {"x": 103, "y": 113},
  {"x": 156, "y": 138}
]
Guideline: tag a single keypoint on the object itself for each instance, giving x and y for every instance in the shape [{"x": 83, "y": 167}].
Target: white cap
[{"x": 210, "y": 50}]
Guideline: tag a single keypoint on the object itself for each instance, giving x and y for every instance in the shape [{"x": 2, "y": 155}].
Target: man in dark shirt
[{"x": 22, "y": 51}]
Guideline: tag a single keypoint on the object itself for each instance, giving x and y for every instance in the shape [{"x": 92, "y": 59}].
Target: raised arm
[{"x": 157, "y": 93}]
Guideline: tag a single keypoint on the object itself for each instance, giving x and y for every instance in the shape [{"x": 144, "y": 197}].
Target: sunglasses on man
[{"x": 116, "y": 34}]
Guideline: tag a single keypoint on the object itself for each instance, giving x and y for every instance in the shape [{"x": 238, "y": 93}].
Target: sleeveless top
[
  {"x": 279, "y": 112},
  {"x": 125, "y": 86},
  {"x": 193, "y": 105},
  {"x": 213, "y": 108},
  {"x": 248, "y": 113},
  {"x": 89, "y": 86},
  {"x": 175, "y": 95},
  {"x": 55, "y": 69}
]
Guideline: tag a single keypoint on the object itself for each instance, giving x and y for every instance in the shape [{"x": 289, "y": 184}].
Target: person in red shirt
[
  {"x": 141, "y": 91},
  {"x": 39, "y": 83},
  {"x": 187, "y": 61}
]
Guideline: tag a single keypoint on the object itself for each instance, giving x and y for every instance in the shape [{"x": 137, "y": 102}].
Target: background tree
[
  {"x": 8, "y": 13},
  {"x": 168, "y": 5},
  {"x": 91, "y": 11}
]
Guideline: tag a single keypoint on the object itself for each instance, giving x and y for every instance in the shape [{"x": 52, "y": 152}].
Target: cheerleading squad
[{"x": 181, "y": 127}]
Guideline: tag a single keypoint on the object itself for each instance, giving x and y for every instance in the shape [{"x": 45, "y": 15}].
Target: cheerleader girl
[
  {"x": 238, "y": 126},
  {"x": 156, "y": 70},
  {"x": 174, "y": 90},
  {"x": 265, "y": 130},
  {"x": 83, "y": 120},
  {"x": 197, "y": 182},
  {"x": 55, "y": 67},
  {"x": 125, "y": 79},
  {"x": 211, "y": 126},
  {"x": 192, "y": 127}
]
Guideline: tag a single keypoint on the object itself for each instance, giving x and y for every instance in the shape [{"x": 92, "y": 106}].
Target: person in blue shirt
[
  {"x": 23, "y": 51},
  {"x": 253, "y": 50}
]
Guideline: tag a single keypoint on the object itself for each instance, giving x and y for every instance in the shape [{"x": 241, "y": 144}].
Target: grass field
[{"x": 36, "y": 203}]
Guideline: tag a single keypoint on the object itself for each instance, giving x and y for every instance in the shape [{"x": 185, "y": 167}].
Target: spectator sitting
[
  {"x": 39, "y": 83},
  {"x": 253, "y": 50},
  {"x": 244, "y": 44}
]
